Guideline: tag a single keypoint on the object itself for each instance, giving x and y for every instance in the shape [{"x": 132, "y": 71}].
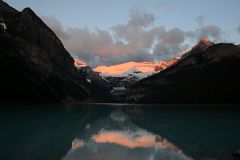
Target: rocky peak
[
  {"x": 203, "y": 44},
  {"x": 206, "y": 41}
]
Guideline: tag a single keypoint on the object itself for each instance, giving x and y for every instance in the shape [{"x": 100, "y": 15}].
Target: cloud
[
  {"x": 169, "y": 42},
  {"x": 210, "y": 31},
  {"x": 140, "y": 19},
  {"x": 99, "y": 42},
  {"x": 56, "y": 26},
  {"x": 238, "y": 29},
  {"x": 200, "y": 20},
  {"x": 137, "y": 40},
  {"x": 126, "y": 42},
  {"x": 135, "y": 31}
]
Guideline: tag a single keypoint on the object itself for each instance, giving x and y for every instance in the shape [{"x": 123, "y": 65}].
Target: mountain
[
  {"x": 122, "y": 76},
  {"x": 34, "y": 65},
  {"x": 207, "y": 74},
  {"x": 139, "y": 69},
  {"x": 201, "y": 46},
  {"x": 99, "y": 88}
]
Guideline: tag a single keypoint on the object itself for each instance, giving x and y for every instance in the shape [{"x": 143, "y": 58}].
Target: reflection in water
[{"x": 116, "y": 138}]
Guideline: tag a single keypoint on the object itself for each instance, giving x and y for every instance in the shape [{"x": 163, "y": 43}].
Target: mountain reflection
[{"x": 115, "y": 137}]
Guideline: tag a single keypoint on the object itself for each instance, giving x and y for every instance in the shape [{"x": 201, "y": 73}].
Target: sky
[{"x": 107, "y": 32}]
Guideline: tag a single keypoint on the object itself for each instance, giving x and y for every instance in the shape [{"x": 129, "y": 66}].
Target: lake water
[{"x": 118, "y": 132}]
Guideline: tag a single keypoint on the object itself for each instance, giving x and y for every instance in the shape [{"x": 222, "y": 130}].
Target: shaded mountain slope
[
  {"x": 207, "y": 75},
  {"x": 34, "y": 65},
  {"x": 99, "y": 87}
]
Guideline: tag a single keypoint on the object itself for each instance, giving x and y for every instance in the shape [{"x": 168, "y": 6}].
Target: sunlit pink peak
[
  {"x": 129, "y": 67},
  {"x": 206, "y": 41},
  {"x": 78, "y": 63},
  {"x": 202, "y": 44}
]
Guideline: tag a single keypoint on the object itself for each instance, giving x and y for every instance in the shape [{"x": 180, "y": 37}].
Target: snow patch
[
  {"x": 89, "y": 80},
  {"x": 79, "y": 64}
]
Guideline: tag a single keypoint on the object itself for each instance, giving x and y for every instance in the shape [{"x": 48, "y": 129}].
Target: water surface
[{"x": 114, "y": 132}]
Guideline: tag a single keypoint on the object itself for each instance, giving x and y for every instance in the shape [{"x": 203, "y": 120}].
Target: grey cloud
[
  {"x": 164, "y": 51},
  {"x": 136, "y": 40},
  {"x": 190, "y": 34},
  {"x": 173, "y": 37},
  {"x": 211, "y": 32},
  {"x": 238, "y": 29},
  {"x": 56, "y": 26},
  {"x": 99, "y": 42},
  {"x": 200, "y": 20},
  {"x": 140, "y": 19},
  {"x": 135, "y": 31},
  {"x": 169, "y": 44}
]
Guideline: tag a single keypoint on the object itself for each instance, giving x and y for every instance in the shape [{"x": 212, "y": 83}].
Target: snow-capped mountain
[
  {"x": 141, "y": 70},
  {"x": 122, "y": 76},
  {"x": 138, "y": 69}
]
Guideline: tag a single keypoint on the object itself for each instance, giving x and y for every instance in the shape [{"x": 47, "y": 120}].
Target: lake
[{"x": 118, "y": 131}]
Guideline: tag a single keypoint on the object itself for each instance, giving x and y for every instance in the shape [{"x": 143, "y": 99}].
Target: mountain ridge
[
  {"x": 201, "y": 77},
  {"x": 35, "y": 67},
  {"x": 123, "y": 68}
]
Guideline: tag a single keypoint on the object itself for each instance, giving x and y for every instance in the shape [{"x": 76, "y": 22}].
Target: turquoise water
[{"x": 83, "y": 132}]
